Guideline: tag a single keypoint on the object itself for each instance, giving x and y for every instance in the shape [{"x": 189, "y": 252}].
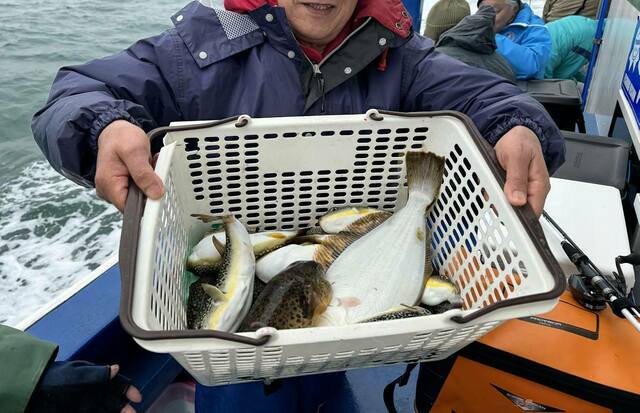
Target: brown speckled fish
[{"x": 295, "y": 298}]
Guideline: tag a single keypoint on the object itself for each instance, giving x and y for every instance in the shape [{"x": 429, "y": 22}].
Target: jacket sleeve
[
  {"x": 529, "y": 57},
  {"x": 495, "y": 105},
  {"x": 84, "y": 99},
  {"x": 546, "y": 11},
  {"x": 23, "y": 360},
  {"x": 552, "y": 65}
]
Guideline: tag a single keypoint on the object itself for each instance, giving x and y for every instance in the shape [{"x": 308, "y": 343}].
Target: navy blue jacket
[{"x": 215, "y": 64}]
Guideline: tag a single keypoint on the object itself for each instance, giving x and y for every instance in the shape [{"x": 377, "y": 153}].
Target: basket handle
[
  {"x": 133, "y": 211},
  {"x": 525, "y": 215},
  {"x": 158, "y": 133}
]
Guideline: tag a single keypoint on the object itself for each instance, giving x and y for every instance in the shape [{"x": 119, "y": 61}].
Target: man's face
[
  {"x": 318, "y": 22},
  {"x": 504, "y": 13}
]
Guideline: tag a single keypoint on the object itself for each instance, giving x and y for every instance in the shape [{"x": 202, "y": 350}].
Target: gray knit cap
[{"x": 444, "y": 15}]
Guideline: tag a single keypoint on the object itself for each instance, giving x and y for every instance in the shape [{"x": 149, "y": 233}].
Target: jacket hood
[
  {"x": 390, "y": 13},
  {"x": 474, "y": 33}
]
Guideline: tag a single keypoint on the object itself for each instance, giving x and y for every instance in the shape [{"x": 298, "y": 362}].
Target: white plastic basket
[{"x": 283, "y": 173}]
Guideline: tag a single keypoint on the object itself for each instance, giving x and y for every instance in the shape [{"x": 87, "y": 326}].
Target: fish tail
[
  {"x": 324, "y": 256},
  {"x": 367, "y": 223},
  {"x": 424, "y": 173},
  {"x": 330, "y": 249}
]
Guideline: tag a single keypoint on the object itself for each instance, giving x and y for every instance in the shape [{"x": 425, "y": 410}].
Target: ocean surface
[{"x": 53, "y": 232}]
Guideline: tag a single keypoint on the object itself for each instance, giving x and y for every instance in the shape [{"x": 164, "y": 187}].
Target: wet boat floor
[
  {"x": 355, "y": 391},
  {"x": 367, "y": 386}
]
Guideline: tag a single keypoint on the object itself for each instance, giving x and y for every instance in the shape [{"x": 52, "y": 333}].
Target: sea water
[{"x": 52, "y": 231}]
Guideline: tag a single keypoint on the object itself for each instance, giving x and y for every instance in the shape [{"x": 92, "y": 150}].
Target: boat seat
[
  {"x": 595, "y": 159},
  {"x": 561, "y": 98}
]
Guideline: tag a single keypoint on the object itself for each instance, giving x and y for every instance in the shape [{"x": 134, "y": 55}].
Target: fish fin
[
  {"x": 280, "y": 235},
  {"x": 311, "y": 231},
  {"x": 367, "y": 223},
  {"x": 265, "y": 332},
  {"x": 333, "y": 316},
  {"x": 216, "y": 219},
  {"x": 228, "y": 219},
  {"x": 348, "y": 302},
  {"x": 214, "y": 292},
  {"x": 253, "y": 326},
  {"x": 425, "y": 173},
  {"x": 310, "y": 238},
  {"x": 218, "y": 245},
  {"x": 207, "y": 219},
  {"x": 412, "y": 308},
  {"x": 457, "y": 301}
]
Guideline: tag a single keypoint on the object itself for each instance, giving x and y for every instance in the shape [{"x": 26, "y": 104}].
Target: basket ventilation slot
[
  {"x": 464, "y": 215},
  {"x": 286, "y": 200}
]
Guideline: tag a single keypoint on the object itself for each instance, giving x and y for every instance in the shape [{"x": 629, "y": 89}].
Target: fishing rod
[{"x": 591, "y": 288}]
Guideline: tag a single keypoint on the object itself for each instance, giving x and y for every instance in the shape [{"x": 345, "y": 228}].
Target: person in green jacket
[
  {"x": 32, "y": 381},
  {"x": 572, "y": 40}
]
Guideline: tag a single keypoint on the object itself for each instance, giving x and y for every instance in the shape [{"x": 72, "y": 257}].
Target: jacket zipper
[{"x": 317, "y": 73}]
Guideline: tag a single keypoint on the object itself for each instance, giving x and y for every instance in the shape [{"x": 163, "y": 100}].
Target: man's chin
[{"x": 314, "y": 37}]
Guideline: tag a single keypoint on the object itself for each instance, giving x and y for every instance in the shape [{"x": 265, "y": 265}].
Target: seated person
[
  {"x": 473, "y": 42},
  {"x": 522, "y": 38},
  {"x": 557, "y": 9},
  {"x": 33, "y": 382},
  {"x": 444, "y": 15},
  {"x": 572, "y": 39}
]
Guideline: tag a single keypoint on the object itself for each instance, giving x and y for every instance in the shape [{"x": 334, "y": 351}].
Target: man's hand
[
  {"x": 132, "y": 394},
  {"x": 123, "y": 152},
  {"x": 520, "y": 154}
]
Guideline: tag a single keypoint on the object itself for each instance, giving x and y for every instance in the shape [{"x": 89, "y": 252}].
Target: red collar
[{"x": 390, "y": 13}]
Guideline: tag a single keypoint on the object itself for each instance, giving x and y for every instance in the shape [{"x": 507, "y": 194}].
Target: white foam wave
[{"x": 52, "y": 232}]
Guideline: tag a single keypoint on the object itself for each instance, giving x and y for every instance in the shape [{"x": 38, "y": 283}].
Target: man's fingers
[
  {"x": 143, "y": 174},
  {"x": 539, "y": 185},
  {"x": 114, "y": 190},
  {"x": 132, "y": 392},
  {"x": 517, "y": 167},
  {"x": 134, "y": 395},
  {"x": 520, "y": 154},
  {"x": 127, "y": 409},
  {"x": 537, "y": 196},
  {"x": 114, "y": 370}
]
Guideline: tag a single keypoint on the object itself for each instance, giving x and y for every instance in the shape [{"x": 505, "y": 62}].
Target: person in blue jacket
[
  {"x": 522, "y": 38},
  {"x": 268, "y": 58}
]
